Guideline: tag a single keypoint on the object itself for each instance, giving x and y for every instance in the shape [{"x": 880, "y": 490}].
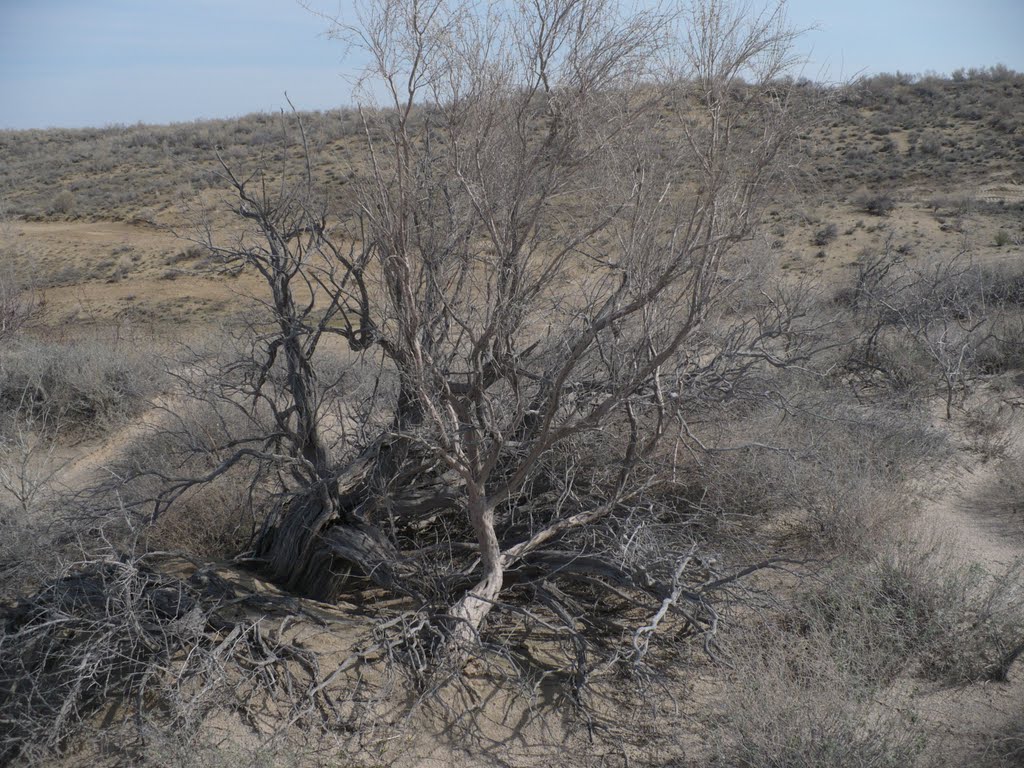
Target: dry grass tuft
[{"x": 798, "y": 702}]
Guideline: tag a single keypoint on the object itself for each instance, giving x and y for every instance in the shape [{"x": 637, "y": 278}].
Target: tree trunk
[
  {"x": 469, "y": 613},
  {"x": 315, "y": 544}
]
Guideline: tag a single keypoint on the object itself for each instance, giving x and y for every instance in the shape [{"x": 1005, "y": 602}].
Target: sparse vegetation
[
  {"x": 826, "y": 235},
  {"x": 876, "y": 204},
  {"x": 1006, "y": 747},
  {"x": 17, "y": 305},
  {"x": 526, "y": 394},
  {"x": 802, "y": 701},
  {"x": 79, "y": 387},
  {"x": 63, "y": 203},
  {"x": 920, "y": 611}
]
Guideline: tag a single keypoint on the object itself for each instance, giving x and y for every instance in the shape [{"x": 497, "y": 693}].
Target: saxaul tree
[
  {"x": 944, "y": 313},
  {"x": 550, "y": 195}
]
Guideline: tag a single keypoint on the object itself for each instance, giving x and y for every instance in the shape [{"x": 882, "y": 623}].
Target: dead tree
[
  {"x": 553, "y": 192},
  {"x": 942, "y": 310}
]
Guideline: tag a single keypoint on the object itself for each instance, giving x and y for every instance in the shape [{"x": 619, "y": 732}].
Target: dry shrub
[
  {"x": 918, "y": 609},
  {"x": 1001, "y": 499},
  {"x": 987, "y": 429},
  {"x": 896, "y": 368},
  {"x": 212, "y": 520},
  {"x": 808, "y": 683},
  {"x": 1003, "y": 350},
  {"x": 28, "y": 549},
  {"x": 833, "y": 468},
  {"x": 730, "y": 492},
  {"x": 30, "y": 502},
  {"x": 63, "y": 203},
  {"x": 945, "y": 325},
  {"x": 1005, "y": 748},
  {"x": 875, "y": 203},
  {"x": 17, "y": 305},
  {"x": 79, "y": 386},
  {"x": 167, "y": 750},
  {"x": 114, "y": 655},
  {"x": 190, "y": 439},
  {"x": 215, "y": 521},
  {"x": 796, "y": 701}
]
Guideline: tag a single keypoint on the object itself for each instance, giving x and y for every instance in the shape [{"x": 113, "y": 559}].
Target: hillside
[
  {"x": 926, "y": 161},
  {"x": 913, "y": 137},
  {"x": 753, "y": 494}
]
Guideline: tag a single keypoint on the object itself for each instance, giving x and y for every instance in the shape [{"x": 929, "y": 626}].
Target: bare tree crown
[{"x": 552, "y": 191}]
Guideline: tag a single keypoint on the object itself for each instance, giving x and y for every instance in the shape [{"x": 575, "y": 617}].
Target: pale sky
[{"x": 73, "y": 63}]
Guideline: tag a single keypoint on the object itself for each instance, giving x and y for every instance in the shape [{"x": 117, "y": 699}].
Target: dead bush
[
  {"x": 808, "y": 682},
  {"x": 100, "y": 630},
  {"x": 798, "y": 702},
  {"x": 115, "y": 653},
  {"x": 830, "y": 467},
  {"x": 918, "y": 609},
  {"x": 30, "y": 502},
  {"x": 77, "y": 386}
]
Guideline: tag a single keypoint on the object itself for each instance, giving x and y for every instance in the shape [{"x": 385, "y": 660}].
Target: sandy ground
[
  {"x": 507, "y": 733},
  {"x": 960, "y": 718},
  {"x": 499, "y": 729},
  {"x": 108, "y": 273}
]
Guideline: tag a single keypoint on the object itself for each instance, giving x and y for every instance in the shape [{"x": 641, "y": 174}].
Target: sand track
[{"x": 961, "y": 718}]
